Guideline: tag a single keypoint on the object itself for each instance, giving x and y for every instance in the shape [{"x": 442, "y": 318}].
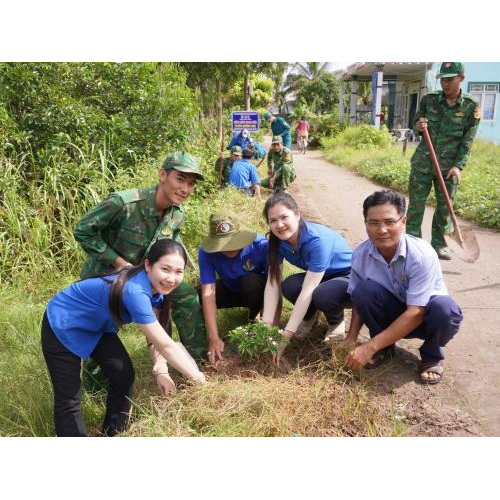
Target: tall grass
[{"x": 40, "y": 205}]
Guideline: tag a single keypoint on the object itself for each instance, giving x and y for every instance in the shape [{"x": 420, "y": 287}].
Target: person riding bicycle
[{"x": 302, "y": 133}]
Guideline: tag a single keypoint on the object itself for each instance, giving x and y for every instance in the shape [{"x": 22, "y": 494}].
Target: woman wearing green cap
[{"x": 239, "y": 257}]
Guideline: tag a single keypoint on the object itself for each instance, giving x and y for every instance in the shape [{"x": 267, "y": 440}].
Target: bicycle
[{"x": 302, "y": 144}]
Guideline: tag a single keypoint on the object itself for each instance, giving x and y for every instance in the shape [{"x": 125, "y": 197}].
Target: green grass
[{"x": 477, "y": 198}]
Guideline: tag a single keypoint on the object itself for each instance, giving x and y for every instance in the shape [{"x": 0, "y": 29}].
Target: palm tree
[
  {"x": 277, "y": 74},
  {"x": 302, "y": 73},
  {"x": 310, "y": 70}
]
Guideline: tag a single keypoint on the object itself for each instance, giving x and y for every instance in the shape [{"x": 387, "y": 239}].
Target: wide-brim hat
[{"x": 225, "y": 234}]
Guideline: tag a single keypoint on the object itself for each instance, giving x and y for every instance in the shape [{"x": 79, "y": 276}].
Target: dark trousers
[
  {"x": 379, "y": 308},
  {"x": 251, "y": 294},
  {"x": 330, "y": 296},
  {"x": 64, "y": 370}
]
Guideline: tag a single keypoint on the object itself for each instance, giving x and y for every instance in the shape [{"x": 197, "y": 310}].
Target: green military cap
[
  {"x": 267, "y": 115},
  {"x": 183, "y": 162},
  {"x": 236, "y": 150},
  {"x": 225, "y": 233},
  {"x": 450, "y": 69},
  {"x": 277, "y": 139}
]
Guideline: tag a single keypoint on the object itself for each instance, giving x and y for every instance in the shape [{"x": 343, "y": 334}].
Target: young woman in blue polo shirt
[
  {"x": 325, "y": 257},
  {"x": 82, "y": 321},
  {"x": 239, "y": 258}
]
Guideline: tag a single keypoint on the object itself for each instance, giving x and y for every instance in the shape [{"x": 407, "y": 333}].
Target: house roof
[{"x": 392, "y": 70}]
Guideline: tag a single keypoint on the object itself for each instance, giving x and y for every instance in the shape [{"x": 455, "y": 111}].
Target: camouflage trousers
[
  {"x": 283, "y": 176},
  {"x": 420, "y": 184},
  {"x": 188, "y": 318}
]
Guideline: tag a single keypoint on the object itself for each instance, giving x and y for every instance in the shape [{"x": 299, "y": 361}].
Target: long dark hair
[
  {"x": 279, "y": 198},
  {"x": 158, "y": 250}
]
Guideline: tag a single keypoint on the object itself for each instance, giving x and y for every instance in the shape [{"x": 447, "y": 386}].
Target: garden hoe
[{"x": 464, "y": 236}]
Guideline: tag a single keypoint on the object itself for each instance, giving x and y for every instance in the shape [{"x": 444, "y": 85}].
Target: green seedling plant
[{"x": 255, "y": 339}]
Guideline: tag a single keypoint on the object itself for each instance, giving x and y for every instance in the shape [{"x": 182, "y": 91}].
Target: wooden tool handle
[{"x": 439, "y": 175}]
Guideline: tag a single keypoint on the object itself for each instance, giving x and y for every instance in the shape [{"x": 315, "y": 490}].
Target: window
[{"x": 486, "y": 96}]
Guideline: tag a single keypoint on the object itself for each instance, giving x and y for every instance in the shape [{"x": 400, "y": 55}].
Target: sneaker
[
  {"x": 335, "y": 333},
  {"x": 305, "y": 327},
  {"x": 443, "y": 253}
]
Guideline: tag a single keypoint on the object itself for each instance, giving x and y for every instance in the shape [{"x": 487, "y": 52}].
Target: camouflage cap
[
  {"x": 277, "y": 139},
  {"x": 267, "y": 115},
  {"x": 225, "y": 234},
  {"x": 183, "y": 162},
  {"x": 236, "y": 150},
  {"x": 450, "y": 69}
]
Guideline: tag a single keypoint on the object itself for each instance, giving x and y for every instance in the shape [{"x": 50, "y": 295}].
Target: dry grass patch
[{"x": 316, "y": 400}]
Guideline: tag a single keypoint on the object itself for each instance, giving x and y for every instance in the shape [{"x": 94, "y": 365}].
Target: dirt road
[{"x": 468, "y": 400}]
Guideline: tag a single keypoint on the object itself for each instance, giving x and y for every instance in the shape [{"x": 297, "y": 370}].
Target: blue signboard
[{"x": 245, "y": 120}]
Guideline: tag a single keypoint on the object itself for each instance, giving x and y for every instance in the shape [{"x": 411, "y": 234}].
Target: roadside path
[{"x": 472, "y": 377}]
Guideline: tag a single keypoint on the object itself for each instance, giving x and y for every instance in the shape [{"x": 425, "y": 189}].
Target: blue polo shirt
[
  {"x": 79, "y": 315},
  {"x": 413, "y": 275},
  {"x": 243, "y": 174},
  {"x": 319, "y": 249},
  {"x": 251, "y": 259}
]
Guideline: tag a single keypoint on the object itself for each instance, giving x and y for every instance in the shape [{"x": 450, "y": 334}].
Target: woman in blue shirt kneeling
[
  {"x": 239, "y": 257},
  {"x": 82, "y": 321},
  {"x": 322, "y": 253}
]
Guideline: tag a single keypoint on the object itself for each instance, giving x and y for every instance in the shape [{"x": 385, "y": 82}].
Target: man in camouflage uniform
[
  {"x": 452, "y": 118},
  {"x": 122, "y": 229},
  {"x": 280, "y": 168},
  {"x": 280, "y": 127},
  {"x": 227, "y": 163}
]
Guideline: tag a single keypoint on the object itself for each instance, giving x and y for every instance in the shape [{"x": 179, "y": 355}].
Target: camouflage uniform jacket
[
  {"x": 452, "y": 130},
  {"x": 277, "y": 160},
  {"x": 227, "y": 164},
  {"x": 125, "y": 225}
]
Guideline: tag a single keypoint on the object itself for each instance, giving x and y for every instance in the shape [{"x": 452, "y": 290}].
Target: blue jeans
[{"x": 379, "y": 308}]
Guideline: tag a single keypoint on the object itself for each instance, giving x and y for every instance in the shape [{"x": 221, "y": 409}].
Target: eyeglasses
[{"x": 386, "y": 223}]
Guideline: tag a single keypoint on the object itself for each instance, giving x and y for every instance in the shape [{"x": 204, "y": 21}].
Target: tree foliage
[
  {"x": 261, "y": 97},
  {"x": 321, "y": 94},
  {"x": 58, "y": 108}
]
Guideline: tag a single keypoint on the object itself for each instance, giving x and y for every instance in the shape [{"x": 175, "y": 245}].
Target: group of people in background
[
  {"x": 135, "y": 266},
  {"x": 239, "y": 171}
]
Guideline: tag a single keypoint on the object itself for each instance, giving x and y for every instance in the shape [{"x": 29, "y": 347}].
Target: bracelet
[{"x": 160, "y": 373}]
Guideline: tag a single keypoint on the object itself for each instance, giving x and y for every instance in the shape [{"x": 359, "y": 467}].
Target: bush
[
  {"x": 255, "y": 339},
  {"x": 132, "y": 109},
  {"x": 361, "y": 137},
  {"x": 324, "y": 127}
]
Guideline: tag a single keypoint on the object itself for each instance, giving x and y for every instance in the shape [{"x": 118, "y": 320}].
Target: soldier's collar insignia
[
  {"x": 167, "y": 231},
  {"x": 460, "y": 113}
]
